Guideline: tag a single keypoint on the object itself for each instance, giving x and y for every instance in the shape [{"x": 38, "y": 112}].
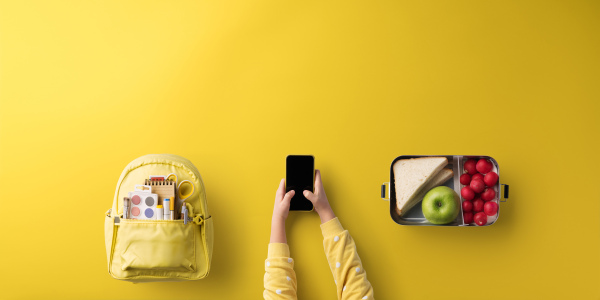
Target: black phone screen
[{"x": 300, "y": 176}]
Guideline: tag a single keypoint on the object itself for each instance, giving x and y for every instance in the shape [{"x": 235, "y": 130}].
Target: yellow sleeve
[
  {"x": 280, "y": 278},
  {"x": 348, "y": 273}
]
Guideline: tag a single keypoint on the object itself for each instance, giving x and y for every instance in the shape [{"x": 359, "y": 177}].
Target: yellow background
[{"x": 235, "y": 86}]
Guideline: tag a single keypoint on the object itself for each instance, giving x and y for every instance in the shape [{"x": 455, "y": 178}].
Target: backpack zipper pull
[
  {"x": 192, "y": 217},
  {"x": 198, "y": 220}
]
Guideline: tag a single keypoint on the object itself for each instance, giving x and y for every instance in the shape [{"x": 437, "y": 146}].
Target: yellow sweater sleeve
[
  {"x": 348, "y": 273},
  {"x": 280, "y": 278}
]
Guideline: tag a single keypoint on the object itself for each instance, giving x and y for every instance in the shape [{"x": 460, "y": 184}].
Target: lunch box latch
[
  {"x": 384, "y": 191},
  {"x": 505, "y": 192}
]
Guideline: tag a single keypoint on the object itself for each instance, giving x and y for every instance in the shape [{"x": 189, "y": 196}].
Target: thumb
[
  {"x": 288, "y": 197},
  {"x": 310, "y": 196}
]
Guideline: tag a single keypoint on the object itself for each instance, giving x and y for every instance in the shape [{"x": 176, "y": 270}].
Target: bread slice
[
  {"x": 411, "y": 175},
  {"x": 437, "y": 180}
]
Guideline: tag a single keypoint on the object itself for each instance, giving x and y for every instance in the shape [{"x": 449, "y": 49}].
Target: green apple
[{"x": 441, "y": 205}]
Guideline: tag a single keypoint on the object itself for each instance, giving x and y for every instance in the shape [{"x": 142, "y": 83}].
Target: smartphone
[{"x": 300, "y": 176}]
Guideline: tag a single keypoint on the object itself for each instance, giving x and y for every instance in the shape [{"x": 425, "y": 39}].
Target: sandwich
[{"x": 414, "y": 177}]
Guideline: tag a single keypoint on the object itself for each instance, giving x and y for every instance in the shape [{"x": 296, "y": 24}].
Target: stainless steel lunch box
[{"x": 455, "y": 163}]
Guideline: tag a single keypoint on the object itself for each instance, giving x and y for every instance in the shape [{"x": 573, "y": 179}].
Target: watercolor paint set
[{"x": 142, "y": 203}]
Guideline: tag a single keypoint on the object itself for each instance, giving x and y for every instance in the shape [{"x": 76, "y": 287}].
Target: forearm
[
  {"x": 278, "y": 231},
  {"x": 325, "y": 213}
]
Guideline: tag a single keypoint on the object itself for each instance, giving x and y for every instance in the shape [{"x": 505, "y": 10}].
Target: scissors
[{"x": 181, "y": 184}]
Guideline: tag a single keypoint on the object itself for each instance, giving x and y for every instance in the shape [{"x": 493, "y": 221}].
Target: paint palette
[{"x": 143, "y": 204}]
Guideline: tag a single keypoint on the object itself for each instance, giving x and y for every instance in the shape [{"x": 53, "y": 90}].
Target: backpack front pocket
[{"x": 161, "y": 245}]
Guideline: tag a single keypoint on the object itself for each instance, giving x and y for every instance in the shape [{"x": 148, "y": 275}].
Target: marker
[
  {"x": 172, "y": 206},
  {"x": 159, "y": 212},
  {"x": 167, "y": 215},
  {"x": 184, "y": 213},
  {"x": 125, "y": 208}
]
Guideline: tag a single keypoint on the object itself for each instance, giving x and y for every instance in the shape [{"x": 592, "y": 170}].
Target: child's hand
[
  {"x": 280, "y": 213},
  {"x": 319, "y": 200},
  {"x": 282, "y": 202}
]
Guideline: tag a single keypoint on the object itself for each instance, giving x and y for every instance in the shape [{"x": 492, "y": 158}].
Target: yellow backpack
[{"x": 147, "y": 249}]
